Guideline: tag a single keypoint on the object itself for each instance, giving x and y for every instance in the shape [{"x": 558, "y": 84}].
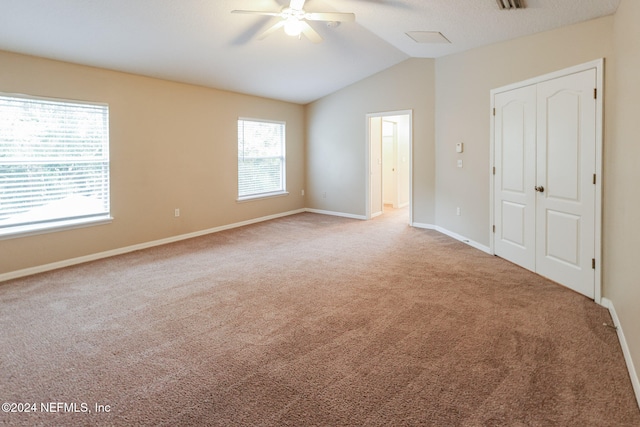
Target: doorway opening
[{"x": 389, "y": 161}]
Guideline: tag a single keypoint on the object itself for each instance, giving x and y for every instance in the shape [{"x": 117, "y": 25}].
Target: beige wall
[
  {"x": 172, "y": 146},
  {"x": 622, "y": 178},
  {"x": 463, "y": 83},
  {"x": 336, "y": 138}
]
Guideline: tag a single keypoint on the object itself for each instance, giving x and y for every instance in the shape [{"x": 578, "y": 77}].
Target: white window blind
[
  {"x": 54, "y": 162},
  {"x": 261, "y": 158}
]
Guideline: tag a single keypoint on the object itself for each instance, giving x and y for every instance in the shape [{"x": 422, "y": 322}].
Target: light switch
[{"x": 459, "y": 147}]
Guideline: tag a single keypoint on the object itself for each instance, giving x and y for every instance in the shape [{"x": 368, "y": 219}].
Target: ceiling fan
[{"x": 293, "y": 20}]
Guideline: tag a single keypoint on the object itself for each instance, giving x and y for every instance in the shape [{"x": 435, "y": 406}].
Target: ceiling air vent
[
  {"x": 510, "y": 4},
  {"x": 428, "y": 37}
]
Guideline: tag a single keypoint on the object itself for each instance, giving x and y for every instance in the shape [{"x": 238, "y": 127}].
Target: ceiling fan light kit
[
  {"x": 293, "y": 20},
  {"x": 292, "y": 27}
]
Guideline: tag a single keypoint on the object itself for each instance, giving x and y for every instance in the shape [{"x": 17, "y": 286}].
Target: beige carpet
[{"x": 309, "y": 320}]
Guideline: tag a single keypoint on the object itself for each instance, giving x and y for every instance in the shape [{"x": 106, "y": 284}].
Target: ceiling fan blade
[
  {"x": 310, "y": 33},
  {"x": 271, "y": 30},
  {"x": 257, "y": 12},
  {"x": 330, "y": 16},
  {"x": 297, "y": 4}
]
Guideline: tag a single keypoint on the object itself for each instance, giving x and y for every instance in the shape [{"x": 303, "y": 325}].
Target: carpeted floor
[{"x": 308, "y": 320}]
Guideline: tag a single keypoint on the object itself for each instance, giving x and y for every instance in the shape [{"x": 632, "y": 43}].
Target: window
[
  {"x": 54, "y": 164},
  {"x": 261, "y": 159}
]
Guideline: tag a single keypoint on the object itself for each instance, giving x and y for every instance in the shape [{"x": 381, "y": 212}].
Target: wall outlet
[
  {"x": 458, "y": 211},
  {"x": 302, "y": 192},
  {"x": 176, "y": 212},
  {"x": 459, "y": 163},
  {"x": 324, "y": 194}
]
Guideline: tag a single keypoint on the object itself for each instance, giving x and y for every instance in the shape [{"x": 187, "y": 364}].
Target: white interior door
[
  {"x": 389, "y": 163},
  {"x": 515, "y": 160},
  {"x": 545, "y": 164},
  {"x": 565, "y": 179}
]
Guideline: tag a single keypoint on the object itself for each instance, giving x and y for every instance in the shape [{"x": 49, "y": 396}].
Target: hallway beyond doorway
[{"x": 389, "y": 162}]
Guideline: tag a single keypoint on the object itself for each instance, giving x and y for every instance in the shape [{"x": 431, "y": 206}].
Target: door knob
[{"x": 540, "y": 189}]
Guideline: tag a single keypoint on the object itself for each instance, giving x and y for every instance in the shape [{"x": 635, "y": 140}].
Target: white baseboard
[
  {"x": 463, "y": 239},
  {"x": 635, "y": 382},
  {"x": 342, "y": 214},
  {"x": 422, "y": 225},
  {"x": 456, "y": 236},
  {"x": 93, "y": 257}
]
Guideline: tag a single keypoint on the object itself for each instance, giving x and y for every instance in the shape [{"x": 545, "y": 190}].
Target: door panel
[
  {"x": 515, "y": 157},
  {"x": 563, "y": 145},
  {"x": 513, "y": 223},
  {"x": 513, "y": 147},
  {"x": 565, "y": 210},
  {"x": 563, "y": 243}
]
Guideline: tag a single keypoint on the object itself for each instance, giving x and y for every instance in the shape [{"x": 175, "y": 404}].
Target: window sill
[
  {"x": 261, "y": 196},
  {"x": 34, "y": 229}
]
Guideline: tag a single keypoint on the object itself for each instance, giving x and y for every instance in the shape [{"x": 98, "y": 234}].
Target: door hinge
[
  {"x": 494, "y": 228},
  {"x": 494, "y": 170},
  {"x": 594, "y": 178},
  {"x": 494, "y": 111},
  {"x": 593, "y": 263},
  {"x": 595, "y": 93}
]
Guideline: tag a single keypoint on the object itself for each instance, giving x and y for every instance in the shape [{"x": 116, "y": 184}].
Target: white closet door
[
  {"x": 544, "y": 192},
  {"x": 515, "y": 159},
  {"x": 565, "y": 200}
]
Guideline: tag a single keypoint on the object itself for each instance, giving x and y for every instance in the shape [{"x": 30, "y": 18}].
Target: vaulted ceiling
[{"x": 202, "y": 42}]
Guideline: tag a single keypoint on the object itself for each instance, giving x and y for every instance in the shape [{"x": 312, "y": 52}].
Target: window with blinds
[
  {"x": 54, "y": 163},
  {"x": 261, "y": 158}
]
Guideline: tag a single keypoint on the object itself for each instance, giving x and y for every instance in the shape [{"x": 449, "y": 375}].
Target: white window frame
[
  {"x": 282, "y": 191},
  {"x": 45, "y": 224}
]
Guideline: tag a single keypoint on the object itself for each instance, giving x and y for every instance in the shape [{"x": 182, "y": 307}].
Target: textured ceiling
[{"x": 201, "y": 42}]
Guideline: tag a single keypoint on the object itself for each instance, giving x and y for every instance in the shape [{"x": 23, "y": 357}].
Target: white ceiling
[{"x": 201, "y": 42}]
